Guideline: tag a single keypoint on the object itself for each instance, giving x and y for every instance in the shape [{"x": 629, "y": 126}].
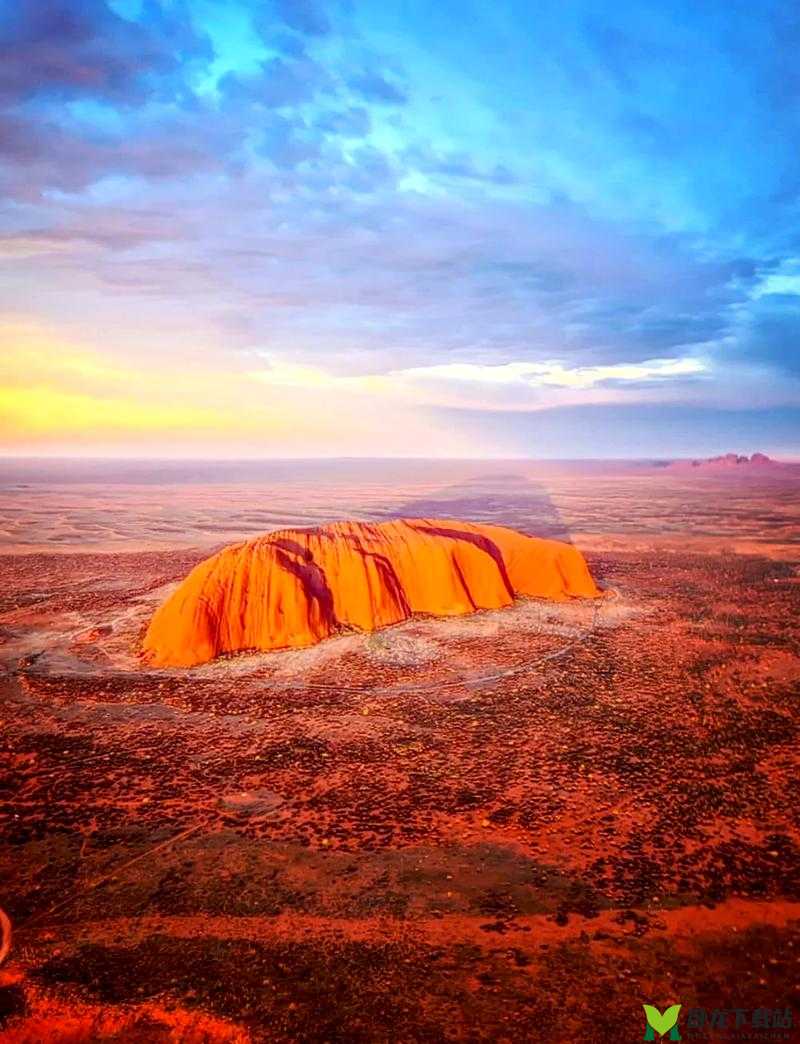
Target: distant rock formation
[
  {"x": 727, "y": 461},
  {"x": 297, "y": 586}
]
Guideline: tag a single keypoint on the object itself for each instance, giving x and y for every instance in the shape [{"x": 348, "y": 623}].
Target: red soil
[{"x": 507, "y": 826}]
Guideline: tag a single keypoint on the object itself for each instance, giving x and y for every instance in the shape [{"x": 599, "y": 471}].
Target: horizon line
[{"x": 782, "y": 459}]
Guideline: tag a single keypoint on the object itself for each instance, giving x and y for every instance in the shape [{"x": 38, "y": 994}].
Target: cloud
[
  {"x": 770, "y": 332},
  {"x": 375, "y": 87},
  {"x": 511, "y": 386},
  {"x": 289, "y": 142},
  {"x": 457, "y": 165},
  {"x": 353, "y": 122},
  {"x": 557, "y": 375},
  {"x": 306, "y": 16},
  {"x": 62, "y": 49},
  {"x": 281, "y": 82},
  {"x": 431, "y": 208},
  {"x": 56, "y": 394},
  {"x": 522, "y": 386},
  {"x": 41, "y": 155}
]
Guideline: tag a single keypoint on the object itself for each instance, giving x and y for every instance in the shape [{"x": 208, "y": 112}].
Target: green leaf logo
[{"x": 662, "y": 1024}]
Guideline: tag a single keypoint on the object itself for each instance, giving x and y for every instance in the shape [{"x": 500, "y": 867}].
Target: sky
[{"x": 302, "y": 228}]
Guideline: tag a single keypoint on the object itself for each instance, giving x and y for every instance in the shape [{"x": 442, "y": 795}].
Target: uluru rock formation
[{"x": 297, "y": 586}]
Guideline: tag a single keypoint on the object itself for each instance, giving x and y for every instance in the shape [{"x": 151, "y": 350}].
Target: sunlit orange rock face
[{"x": 297, "y": 586}]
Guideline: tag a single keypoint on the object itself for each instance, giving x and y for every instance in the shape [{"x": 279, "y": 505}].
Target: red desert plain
[{"x": 372, "y": 751}]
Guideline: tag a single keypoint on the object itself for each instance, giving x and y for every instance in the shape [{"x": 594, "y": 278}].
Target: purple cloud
[{"x": 62, "y": 49}]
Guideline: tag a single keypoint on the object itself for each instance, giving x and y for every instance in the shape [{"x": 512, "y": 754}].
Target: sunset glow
[{"x": 319, "y": 228}]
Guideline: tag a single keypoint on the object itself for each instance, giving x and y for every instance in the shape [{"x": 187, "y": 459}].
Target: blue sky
[{"x": 317, "y": 228}]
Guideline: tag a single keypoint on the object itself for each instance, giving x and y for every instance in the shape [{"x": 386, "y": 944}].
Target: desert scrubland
[{"x": 513, "y": 825}]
